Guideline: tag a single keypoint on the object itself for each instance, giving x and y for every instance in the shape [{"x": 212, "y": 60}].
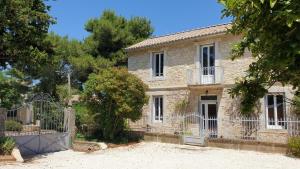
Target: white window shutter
[
  {"x": 150, "y": 66},
  {"x": 165, "y": 63},
  {"x": 217, "y": 54},
  {"x": 197, "y": 57}
]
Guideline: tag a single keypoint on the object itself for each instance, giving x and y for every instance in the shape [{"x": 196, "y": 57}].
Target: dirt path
[{"x": 160, "y": 156}]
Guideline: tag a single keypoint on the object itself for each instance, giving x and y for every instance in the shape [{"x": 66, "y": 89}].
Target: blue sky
[{"x": 167, "y": 16}]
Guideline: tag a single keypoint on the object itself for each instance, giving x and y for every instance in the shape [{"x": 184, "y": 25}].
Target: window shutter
[{"x": 150, "y": 66}]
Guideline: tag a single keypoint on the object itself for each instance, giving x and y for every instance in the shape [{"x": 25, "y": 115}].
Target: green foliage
[
  {"x": 110, "y": 34},
  {"x": 270, "y": 30},
  {"x": 6, "y": 145},
  {"x": 24, "y": 50},
  {"x": 12, "y": 125},
  {"x": 63, "y": 92},
  {"x": 113, "y": 96},
  {"x": 296, "y": 105},
  {"x": 294, "y": 146},
  {"x": 53, "y": 75},
  {"x": 67, "y": 54},
  {"x": 24, "y": 26},
  {"x": 83, "y": 117},
  {"x": 11, "y": 88},
  {"x": 104, "y": 48}
]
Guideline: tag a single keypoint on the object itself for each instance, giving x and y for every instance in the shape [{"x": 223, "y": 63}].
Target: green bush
[
  {"x": 12, "y": 125},
  {"x": 113, "y": 96},
  {"x": 82, "y": 116},
  {"x": 294, "y": 146},
  {"x": 6, "y": 145}
]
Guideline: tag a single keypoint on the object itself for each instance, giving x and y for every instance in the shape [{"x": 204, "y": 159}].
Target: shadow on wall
[{"x": 234, "y": 108}]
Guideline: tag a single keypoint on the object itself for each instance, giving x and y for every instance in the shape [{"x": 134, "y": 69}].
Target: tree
[
  {"x": 270, "y": 30},
  {"x": 100, "y": 50},
  {"x": 68, "y": 55},
  {"x": 110, "y": 34},
  {"x": 113, "y": 96},
  {"x": 11, "y": 88},
  {"x": 23, "y": 28},
  {"x": 54, "y": 73},
  {"x": 296, "y": 106}
]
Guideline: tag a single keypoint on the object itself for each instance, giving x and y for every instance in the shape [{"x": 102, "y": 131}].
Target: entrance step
[{"x": 192, "y": 140}]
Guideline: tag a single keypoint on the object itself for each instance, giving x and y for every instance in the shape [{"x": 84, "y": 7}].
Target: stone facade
[{"x": 173, "y": 86}]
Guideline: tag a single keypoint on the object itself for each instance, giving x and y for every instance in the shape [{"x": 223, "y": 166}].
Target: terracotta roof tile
[{"x": 190, "y": 34}]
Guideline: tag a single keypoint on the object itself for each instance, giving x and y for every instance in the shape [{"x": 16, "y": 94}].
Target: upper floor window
[
  {"x": 158, "y": 64},
  {"x": 207, "y": 56},
  {"x": 275, "y": 113}
]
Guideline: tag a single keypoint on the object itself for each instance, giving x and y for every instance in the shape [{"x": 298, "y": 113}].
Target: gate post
[
  {"x": 71, "y": 123},
  {"x": 2, "y": 120}
]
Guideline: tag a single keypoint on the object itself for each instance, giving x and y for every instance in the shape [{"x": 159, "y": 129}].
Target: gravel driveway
[{"x": 160, "y": 156}]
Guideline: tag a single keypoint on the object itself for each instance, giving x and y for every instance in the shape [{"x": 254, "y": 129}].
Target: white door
[
  {"x": 207, "y": 71},
  {"x": 208, "y": 109}
]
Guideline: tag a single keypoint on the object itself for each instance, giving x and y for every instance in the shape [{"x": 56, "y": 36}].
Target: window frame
[
  {"x": 276, "y": 121},
  {"x": 161, "y": 64},
  {"x": 208, "y": 46},
  {"x": 160, "y": 117},
  {"x": 12, "y": 114}
]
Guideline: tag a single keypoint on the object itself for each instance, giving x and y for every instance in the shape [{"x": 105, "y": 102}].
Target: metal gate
[
  {"x": 39, "y": 126},
  {"x": 193, "y": 129}
]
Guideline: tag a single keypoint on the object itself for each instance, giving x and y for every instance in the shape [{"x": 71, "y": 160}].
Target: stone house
[{"x": 195, "y": 66}]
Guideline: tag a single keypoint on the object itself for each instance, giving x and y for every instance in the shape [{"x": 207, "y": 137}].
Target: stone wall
[
  {"x": 182, "y": 56},
  {"x": 171, "y": 98}
]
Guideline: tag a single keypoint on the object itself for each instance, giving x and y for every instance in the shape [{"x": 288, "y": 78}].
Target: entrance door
[
  {"x": 207, "y": 71},
  {"x": 210, "y": 114}
]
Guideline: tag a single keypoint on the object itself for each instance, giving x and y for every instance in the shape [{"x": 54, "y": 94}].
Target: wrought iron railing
[
  {"x": 244, "y": 128},
  {"x": 205, "y": 75},
  {"x": 39, "y": 116}
]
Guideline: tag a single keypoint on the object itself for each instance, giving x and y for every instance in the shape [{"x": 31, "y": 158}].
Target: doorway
[{"x": 209, "y": 111}]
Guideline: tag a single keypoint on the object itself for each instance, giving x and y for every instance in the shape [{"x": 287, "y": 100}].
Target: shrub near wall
[
  {"x": 114, "y": 96},
  {"x": 294, "y": 146},
  {"x": 6, "y": 145},
  {"x": 12, "y": 125}
]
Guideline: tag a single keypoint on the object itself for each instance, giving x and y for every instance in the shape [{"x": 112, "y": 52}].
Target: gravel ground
[{"x": 159, "y": 156}]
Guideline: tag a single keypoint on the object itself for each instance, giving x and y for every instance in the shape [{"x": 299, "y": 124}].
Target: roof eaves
[{"x": 172, "y": 41}]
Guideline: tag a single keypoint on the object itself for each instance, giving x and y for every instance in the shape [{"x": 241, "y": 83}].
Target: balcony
[{"x": 205, "y": 76}]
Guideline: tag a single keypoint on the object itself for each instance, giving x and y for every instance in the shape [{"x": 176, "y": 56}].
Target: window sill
[
  {"x": 157, "y": 122},
  {"x": 278, "y": 128},
  {"x": 158, "y": 78},
  {"x": 274, "y": 131}
]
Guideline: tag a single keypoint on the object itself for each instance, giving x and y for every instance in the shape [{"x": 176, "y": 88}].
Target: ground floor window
[
  {"x": 275, "y": 111},
  {"x": 12, "y": 113},
  {"x": 158, "y": 110}
]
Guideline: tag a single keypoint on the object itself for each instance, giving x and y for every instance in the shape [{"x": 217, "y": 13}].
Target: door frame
[{"x": 206, "y": 102}]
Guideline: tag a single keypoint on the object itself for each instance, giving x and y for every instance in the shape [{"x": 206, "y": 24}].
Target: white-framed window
[
  {"x": 275, "y": 110},
  {"x": 158, "y": 64},
  {"x": 158, "y": 108},
  {"x": 207, "y": 56}
]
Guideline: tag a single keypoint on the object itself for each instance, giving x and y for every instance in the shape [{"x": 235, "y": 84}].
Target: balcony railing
[{"x": 205, "y": 75}]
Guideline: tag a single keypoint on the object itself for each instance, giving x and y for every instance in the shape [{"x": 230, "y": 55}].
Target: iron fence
[{"x": 244, "y": 128}]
